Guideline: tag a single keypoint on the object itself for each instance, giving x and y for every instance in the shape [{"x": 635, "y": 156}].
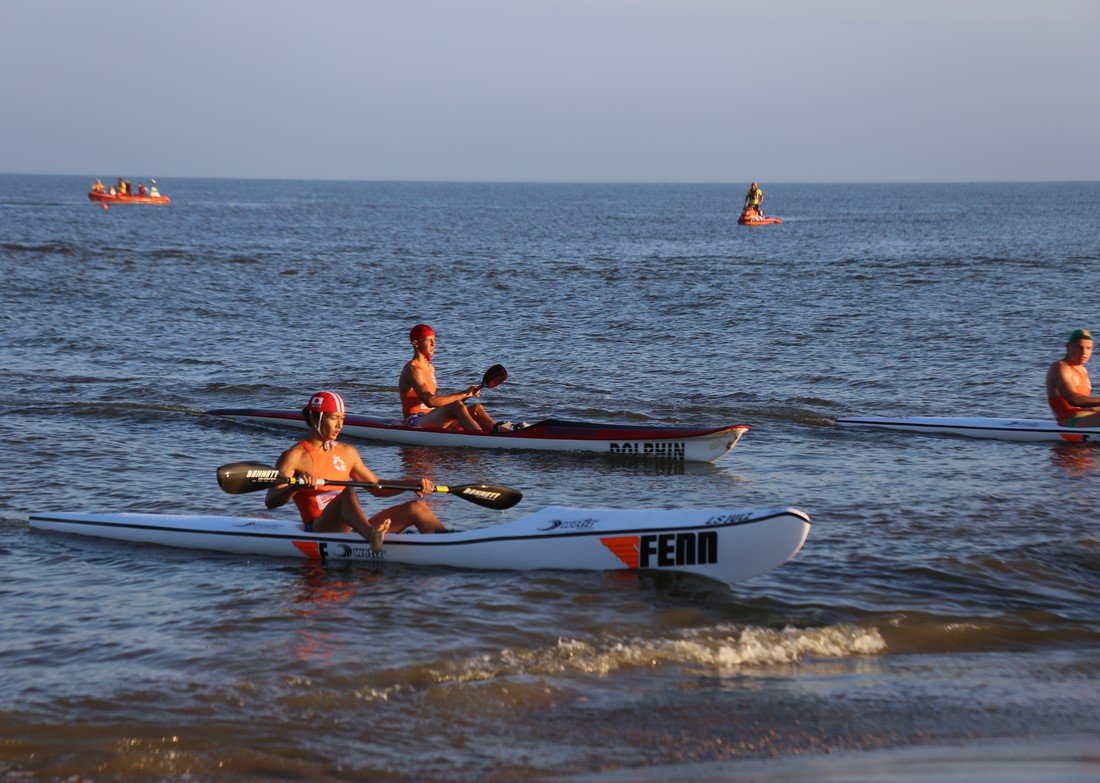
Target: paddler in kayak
[
  {"x": 423, "y": 406},
  {"x": 1069, "y": 389},
  {"x": 337, "y": 510}
]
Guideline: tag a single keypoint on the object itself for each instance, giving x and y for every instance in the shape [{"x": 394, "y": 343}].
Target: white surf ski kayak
[
  {"x": 691, "y": 444},
  {"x": 1023, "y": 430},
  {"x": 723, "y": 544}
]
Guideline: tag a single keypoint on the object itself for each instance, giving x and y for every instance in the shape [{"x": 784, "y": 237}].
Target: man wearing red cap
[
  {"x": 422, "y": 405},
  {"x": 319, "y": 457},
  {"x": 1069, "y": 389}
]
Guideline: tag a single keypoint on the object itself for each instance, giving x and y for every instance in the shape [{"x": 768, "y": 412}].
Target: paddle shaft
[
  {"x": 398, "y": 485},
  {"x": 239, "y": 477}
]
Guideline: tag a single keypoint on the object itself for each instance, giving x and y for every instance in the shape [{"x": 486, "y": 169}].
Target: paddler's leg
[
  {"x": 484, "y": 420},
  {"x": 466, "y": 419},
  {"x": 414, "y": 512},
  {"x": 1084, "y": 420},
  {"x": 344, "y": 513},
  {"x": 448, "y": 416}
]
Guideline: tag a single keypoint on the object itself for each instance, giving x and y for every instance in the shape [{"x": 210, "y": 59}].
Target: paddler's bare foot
[{"x": 377, "y": 534}]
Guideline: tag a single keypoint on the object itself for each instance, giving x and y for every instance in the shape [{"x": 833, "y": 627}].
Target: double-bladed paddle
[{"x": 237, "y": 478}]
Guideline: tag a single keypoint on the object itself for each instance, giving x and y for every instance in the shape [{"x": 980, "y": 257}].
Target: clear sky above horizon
[{"x": 562, "y": 90}]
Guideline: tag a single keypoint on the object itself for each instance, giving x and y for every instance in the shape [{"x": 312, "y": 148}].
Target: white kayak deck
[
  {"x": 1020, "y": 430},
  {"x": 724, "y": 544}
]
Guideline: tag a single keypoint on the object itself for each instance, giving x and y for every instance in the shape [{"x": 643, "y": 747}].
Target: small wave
[
  {"x": 98, "y": 409},
  {"x": 54, "y": 248},
  {"x": 168, "y": 253},
  {"x": 794, "y": 414},
  {"x": 918, "y": 633},
  {"x": 37, "y": 203},
  {"x": 729, "y": 649},
  {"x": 725, "y": 647},
  {"x": 252, "y": 391}
]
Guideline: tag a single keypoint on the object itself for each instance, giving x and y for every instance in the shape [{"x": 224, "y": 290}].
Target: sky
[{"x": 721, "y": 91}]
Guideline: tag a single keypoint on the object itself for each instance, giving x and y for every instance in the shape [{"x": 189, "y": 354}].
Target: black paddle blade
[
  {"x": 492, "y": 496},
  {"x": 236, "y": 478},
  {"x": 494, "y": 376}
]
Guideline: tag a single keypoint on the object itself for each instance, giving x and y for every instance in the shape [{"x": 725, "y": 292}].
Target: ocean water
[{"x": 948, "y": 592}]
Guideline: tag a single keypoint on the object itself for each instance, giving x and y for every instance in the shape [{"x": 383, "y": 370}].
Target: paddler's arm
[
  {"x": 280, "y": 493},
  {"x": 1063, "y": 384},
  {"x": 360, "y": 472},
  {"x": 419, "y": 381}
]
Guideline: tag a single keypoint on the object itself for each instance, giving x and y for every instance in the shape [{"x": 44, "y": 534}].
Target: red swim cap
[
  {"x": 420, "y": 331},
  {"x": 326, "y": 402}
]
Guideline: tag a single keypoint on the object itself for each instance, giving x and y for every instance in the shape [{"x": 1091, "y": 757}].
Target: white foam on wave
[
  {"x": 727, "y": 648},
  {"x": 724, "y": 647}
]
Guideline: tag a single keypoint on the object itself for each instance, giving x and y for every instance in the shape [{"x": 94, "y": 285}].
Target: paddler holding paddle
[
  {"x": 423, "y": 406},
  {"x": 1069, "y": 389},
  {"x": 319, "y": 458}
]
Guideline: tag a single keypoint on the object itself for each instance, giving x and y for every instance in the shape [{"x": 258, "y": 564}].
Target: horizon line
[{"x": 715, "y": 183}]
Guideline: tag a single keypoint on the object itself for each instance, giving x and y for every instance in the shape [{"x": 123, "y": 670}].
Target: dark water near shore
[{"x": 948, "y": 592}]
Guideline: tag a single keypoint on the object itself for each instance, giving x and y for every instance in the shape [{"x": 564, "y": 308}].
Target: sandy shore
[{"x": 1064, "y": 760}]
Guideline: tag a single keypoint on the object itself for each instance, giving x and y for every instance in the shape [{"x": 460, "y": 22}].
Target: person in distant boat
[
  {"x": 336, "y": 509},
  {"x": 754, "y": 198},
  {"x": 141, "y": 189},
  {"x": 1069, "y": 390},
  {"x": 153, "y": 189},
  {"x": 421, "y": 403},
  {"x": 98, "y": 187}
]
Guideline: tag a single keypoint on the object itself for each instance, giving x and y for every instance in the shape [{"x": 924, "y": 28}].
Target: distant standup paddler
[
  {"x": 421, "y": 403},
  {"x": 754, "y": 198},
  {"x": 1069, "y": 389},
  {"x": 337, "y": 509}
]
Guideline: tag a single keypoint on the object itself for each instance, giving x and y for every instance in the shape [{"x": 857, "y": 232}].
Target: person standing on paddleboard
[
  {"x": 754, "y": 198},
  {"x": 423, "y": 406},
  {"x": 1069, "y": 389},
  {"x": 320, "y": 457}
]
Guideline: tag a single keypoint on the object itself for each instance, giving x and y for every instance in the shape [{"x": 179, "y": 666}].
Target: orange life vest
[
  {"x": 328, "y": 465},
  {"x": 1063, "y": 411},
  {"x": 411, "y": 403}
]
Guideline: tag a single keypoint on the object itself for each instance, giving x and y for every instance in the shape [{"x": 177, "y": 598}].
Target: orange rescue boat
[
  {"x": 753, "y": 217},
  {"x": 104, "y": 197}
]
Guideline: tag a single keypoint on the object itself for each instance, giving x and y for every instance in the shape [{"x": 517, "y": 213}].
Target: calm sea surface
[{"x": 949, "y": 591}]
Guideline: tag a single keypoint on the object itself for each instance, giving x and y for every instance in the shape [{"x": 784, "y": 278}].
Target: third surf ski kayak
[
  {"x": 691, "y": 444},
  {"x": 1021, "y": 430}
]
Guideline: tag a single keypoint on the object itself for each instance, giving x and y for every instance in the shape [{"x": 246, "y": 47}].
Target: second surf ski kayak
[
  {"x": 1021, "y": 430},
  {"x": 691, "y": 444},
  {"x": 724, "y": 544}
]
